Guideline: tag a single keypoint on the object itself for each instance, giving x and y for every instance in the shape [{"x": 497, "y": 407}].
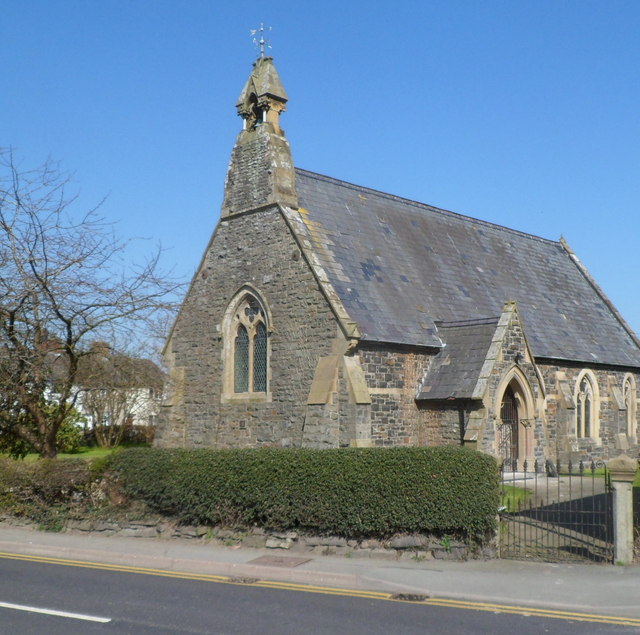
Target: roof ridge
[{"x": 432, "y": 208}]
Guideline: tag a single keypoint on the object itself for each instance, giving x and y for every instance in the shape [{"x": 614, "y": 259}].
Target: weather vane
[{"x": 260, "y": 42}]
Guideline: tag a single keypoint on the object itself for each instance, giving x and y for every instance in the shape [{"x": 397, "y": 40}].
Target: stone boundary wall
[{"x": 417, "y": 547}]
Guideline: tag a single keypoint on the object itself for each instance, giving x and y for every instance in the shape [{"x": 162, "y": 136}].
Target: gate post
[{"x": 623, "y": 472}]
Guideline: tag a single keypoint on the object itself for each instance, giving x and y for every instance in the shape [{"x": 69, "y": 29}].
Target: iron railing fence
[{"x": 556, "y": 513}]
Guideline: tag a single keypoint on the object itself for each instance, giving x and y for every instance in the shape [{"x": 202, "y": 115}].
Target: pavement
[{"x": 587, "y": 588}]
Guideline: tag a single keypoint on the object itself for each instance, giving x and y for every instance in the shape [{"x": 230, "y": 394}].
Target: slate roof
[
  {"x": 398, "y": 266},
  {"x": 455, "y": 370}
]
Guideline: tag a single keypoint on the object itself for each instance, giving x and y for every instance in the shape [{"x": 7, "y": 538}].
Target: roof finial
[{"x": 261, "y": 43}]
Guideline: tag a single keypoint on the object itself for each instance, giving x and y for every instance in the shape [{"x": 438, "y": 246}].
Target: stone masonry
[
  {"x": 346, "y": 359},
  {"x": 256, "y": 249}
]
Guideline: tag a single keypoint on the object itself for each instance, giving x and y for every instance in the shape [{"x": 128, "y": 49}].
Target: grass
[
  {"x": 83, "y": 453},
  {"x": 599, "y": 473},
  {"x": 513, "y": 498}
]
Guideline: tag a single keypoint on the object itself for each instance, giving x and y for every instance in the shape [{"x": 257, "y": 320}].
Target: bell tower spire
[
  {"x": 263, "y": 97},
  {"x": 261, "y": 170}
]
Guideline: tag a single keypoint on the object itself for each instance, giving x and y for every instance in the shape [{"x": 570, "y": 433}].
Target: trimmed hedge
[{"x": 354, "y": 493}]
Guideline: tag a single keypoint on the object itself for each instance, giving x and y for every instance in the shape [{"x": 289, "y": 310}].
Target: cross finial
[{"x": 260, "y": 42}]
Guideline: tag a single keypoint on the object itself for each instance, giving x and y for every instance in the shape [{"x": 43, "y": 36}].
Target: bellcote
[
  {"x": 263, "y": 97},
  {"x": 261, "y": 170}
]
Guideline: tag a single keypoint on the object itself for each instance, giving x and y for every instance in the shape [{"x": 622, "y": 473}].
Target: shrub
[
  {"x": 43, "y": 490},
  {"x": 350, "y": 492},
  {"x": 70, "y": 436},
  {"x": 138, "y": 435}
]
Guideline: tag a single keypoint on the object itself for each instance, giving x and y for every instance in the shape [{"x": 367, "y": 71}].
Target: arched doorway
[
  {"x": 515, "y": 402},
  {"x": 508, "y": 445}
]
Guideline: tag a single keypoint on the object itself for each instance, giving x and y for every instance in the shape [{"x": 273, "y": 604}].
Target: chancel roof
[{"x": 399, "y": 266}]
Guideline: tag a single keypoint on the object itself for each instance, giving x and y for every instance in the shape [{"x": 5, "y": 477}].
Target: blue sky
[{"x": 523, "y": 113}]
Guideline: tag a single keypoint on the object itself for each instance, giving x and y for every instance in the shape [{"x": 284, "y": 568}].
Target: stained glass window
[
  {"x": 241, "y": 360},
  {"x": 584, "y": 409},
  {"x": 250, "y": 352},
  {"x": 260, "y": 359},
  {"x": 587, "y": 414}
]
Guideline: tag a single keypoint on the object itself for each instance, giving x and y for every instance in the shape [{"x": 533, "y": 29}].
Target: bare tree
[
  {"x": 118, "y": 392},
  {"x": 64, "y": 282}
]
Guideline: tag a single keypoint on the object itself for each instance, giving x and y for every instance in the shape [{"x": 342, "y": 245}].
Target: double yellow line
[
  {"x": 529, "y": 611},
  {"x": 372, "y": 595}
]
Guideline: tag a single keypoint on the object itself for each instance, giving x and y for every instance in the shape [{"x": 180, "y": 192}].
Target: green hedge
[{"x": 347, "y": 492}]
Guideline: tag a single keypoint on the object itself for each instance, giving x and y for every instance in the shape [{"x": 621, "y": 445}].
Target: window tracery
[
  {"x": 586, "y": 407},
  {"x": 246, "y": 335}
]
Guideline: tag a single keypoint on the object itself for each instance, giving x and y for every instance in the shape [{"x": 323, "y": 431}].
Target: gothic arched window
[
  {"x": 586, "y": 410},
  {"x": 247, "y": 348}
]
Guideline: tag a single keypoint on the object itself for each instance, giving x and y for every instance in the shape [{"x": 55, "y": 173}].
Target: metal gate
[
  {"x": 556, "y": 514},
  {"x": 508, "y": 430}
]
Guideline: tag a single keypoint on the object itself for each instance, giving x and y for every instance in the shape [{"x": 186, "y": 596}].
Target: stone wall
[
  {"x": 393, "y": 418},
  {"x": 612, "y": 439},
  {"x": 260, "y": 172},
  {"x": 393, "y": 375},
  {"x": 416, "y": 547},
  {"x": 514, "y": 359},
  {"x": 256, "y": 249},
  {"x": 444, "y": 423}
]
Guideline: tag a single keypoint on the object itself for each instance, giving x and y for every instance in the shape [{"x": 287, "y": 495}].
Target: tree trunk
[{"x": 49, "y": 449}]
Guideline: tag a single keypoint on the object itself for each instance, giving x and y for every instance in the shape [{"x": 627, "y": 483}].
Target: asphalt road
[{"x": 103, "y": 601}]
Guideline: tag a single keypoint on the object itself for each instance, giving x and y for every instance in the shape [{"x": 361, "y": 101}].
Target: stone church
[{"x": 324, "y": 314}]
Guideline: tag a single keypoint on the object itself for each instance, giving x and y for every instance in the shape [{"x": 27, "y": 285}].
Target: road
[{"x": 95, "y": 600}]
